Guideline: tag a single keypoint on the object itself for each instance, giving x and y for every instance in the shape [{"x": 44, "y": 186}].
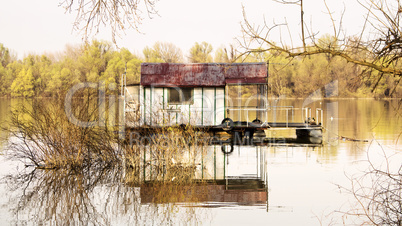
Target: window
[{"x": 181, "y": 95}]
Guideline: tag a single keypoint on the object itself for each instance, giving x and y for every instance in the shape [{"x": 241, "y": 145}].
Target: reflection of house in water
[
  {"x": 217, "y": 178},
  {"x": 213, "y": 192}
]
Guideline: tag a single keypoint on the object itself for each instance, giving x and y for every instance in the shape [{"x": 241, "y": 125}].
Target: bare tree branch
[
  {"x": 116, "y": 14},
  {"x": 380, "y": 52}
]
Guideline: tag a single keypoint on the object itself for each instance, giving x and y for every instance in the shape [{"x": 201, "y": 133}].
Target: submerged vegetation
[{"x": 43, "y": 134}]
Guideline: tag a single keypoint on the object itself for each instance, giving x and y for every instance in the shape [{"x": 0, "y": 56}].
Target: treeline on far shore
[{"x": 50, "y": 75}]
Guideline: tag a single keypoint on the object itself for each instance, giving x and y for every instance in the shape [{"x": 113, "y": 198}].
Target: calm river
[{"x": 273, "y": 184}]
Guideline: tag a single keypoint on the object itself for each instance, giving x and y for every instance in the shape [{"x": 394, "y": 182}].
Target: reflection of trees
[
  {"x": 4, "y": 112},
  {"x": 3, "y": 137},
  {"x": 61, "y": 197},
  {"x": 92, "y": 196}
]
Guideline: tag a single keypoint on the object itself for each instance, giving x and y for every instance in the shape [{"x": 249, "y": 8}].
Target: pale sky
[{"x": 38, "y": 27}]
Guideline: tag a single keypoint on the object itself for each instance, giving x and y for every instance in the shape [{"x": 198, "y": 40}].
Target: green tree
[
  {"x": 151, "y": 56},
  {"x": 41, "y": 71},
  {"x": 62, "y": 79},
  {"x": 23, "y": 85},
  {"x": 5, "y": 57},
  {"x": 134, "y": 71},
  {"x": 7, "y": 79},
  {"x": 115, "y": 68},
  {"x": 133, "y": 66},
  {"x": 282, "y": 72},
  {"x": 200, "y": 53},
  {"x": 123, "y": 61},
  {"x": 5, "y": 60},
  {"x": 94, "y": 60},
  {"x": 3, "y": 74},
  {"x": 311, "y": 75}
]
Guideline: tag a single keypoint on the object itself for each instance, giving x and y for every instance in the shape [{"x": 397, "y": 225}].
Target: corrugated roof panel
[{"x": 198, "y": 75}]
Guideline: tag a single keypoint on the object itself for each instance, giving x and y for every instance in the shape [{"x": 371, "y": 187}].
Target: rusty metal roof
[{"x": 201, "y": 75}]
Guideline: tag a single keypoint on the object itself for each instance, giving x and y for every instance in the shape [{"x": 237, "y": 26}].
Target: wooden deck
[
  {"x": 236, "y": 126},
  {"x": 236, "y": 129}
]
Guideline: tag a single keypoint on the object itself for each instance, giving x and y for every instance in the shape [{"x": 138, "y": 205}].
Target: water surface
[{"x": 275, "y": 184}]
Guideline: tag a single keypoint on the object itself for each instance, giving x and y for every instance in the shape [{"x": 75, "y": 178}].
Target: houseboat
[{"x": 210, "y": 96}]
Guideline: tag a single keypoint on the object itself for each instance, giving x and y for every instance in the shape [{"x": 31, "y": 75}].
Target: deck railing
[{"x": 306, "y": 115}]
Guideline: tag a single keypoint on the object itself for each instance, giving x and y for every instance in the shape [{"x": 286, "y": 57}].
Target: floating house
[
  {"x": 211, "y": 96},
  {"x": 196, "y": 94}
]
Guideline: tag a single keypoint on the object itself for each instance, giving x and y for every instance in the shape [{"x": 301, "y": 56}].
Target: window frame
[{"x": 186, "y": 96}]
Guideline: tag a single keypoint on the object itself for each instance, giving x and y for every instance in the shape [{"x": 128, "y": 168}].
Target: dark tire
[
  {"x": 227, "y": 151},
  {"x": 257, "y": 121},
  {"x": 227, "y": 124}
]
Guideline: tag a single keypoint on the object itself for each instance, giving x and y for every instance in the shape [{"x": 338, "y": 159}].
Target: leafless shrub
[
  {"x": 378, "y": 192},
  {"x": 42, "y": 134}
]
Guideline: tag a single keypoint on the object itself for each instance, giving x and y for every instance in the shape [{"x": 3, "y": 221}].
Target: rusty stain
[{"x": 201, "y": 75}]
